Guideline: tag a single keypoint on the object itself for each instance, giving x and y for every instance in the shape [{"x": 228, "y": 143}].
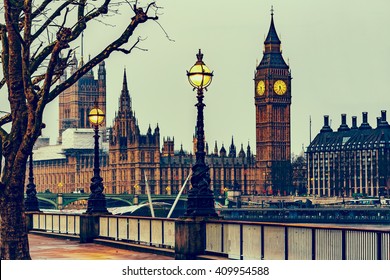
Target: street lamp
[
  {"x": 200, "y": 201},
  {"x": 31, "y": 202},
  {"x": 96, "y": 199}
]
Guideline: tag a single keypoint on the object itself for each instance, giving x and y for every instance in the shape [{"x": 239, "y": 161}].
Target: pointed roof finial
[
  {"x": 124, "y": 87},
  {"x": 199, "y": 55},
  {"x": 272, "y": 37}
]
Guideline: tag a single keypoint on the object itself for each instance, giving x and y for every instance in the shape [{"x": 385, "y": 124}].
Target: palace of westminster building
[{"x": 351, "y": 160}]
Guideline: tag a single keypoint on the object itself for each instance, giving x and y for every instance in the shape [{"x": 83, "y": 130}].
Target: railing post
[
  {"x": 150, "y": 233},
  {"x": 262, "y": 241},
  {"x": 241, "y": 243},
  {"x": 162, "y": 232},
  {"x": 138, "y": 231},
  {"x": 343, "y": 245},
  {"x": 379, "y": 245},
  {"x": 222, "y": 240},
  {"x": 89, "y": 227},
  {"x": 286, "y": 243},
  {"x": 313, "y": 243}
]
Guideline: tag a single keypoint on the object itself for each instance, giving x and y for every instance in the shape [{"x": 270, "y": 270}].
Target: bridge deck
[{"x": 48, "y": 248}]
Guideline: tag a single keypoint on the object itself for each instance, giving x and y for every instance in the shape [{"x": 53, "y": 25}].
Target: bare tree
[{"x": 36, "y": 38}]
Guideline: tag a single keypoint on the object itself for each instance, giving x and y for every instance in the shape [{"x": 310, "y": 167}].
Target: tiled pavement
[{"x": 48, "y": 248}]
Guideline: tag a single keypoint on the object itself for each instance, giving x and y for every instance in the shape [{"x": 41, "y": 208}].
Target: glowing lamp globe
[
  {"x": 96, "y": 116},
  {"x": 200, "y": 75}
]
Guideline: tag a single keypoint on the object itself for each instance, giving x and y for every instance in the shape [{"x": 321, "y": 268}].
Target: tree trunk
[{"x": 14, "y": 239}]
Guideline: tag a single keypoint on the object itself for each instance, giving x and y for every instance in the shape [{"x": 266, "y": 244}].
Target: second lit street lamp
[
  {"x": 96, "y": 200},
  {"x": 200, "y": 201}
]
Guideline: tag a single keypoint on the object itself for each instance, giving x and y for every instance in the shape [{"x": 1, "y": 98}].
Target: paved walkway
[{"x": 48, "y": 248}]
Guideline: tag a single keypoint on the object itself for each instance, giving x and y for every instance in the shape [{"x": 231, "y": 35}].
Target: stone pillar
[
  {"x": 190, "y": 237},
  {"x": 135, "y": 199},
  {"x": 89, "y": 227},
  {"x": 59, "y": 201}
]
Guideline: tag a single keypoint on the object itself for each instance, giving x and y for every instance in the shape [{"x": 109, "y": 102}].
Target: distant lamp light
[{"x": 96, "y": 116}]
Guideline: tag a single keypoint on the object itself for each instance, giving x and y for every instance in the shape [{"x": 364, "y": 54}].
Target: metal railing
[
  {"x": 277, "y": 241},
  {"x": 57, "y": 223},
  {"x": 157, "y": 232},
  {"x": 238, "y": 239}
]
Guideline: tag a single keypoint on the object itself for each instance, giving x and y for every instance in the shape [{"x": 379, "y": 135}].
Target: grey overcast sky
[{"x": 338, "y": 51}]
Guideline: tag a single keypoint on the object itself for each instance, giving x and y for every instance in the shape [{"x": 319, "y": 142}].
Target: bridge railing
[
  {"x": 270, "y": 241},
  {"x": 56, "y": 223},
  {"x": 156, "y": 232}
]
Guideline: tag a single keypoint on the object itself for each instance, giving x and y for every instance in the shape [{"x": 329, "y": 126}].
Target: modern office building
[{"x": 351, "y": 160}]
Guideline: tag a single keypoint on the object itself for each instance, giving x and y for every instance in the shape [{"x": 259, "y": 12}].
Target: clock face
[
  {"x": 260, "y": 88},
  {"x": 280, "y": 87}
]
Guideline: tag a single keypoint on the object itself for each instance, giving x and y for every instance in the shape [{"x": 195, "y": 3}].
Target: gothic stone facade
[
  {"x": 130, "y": 158},
  {"x": 76, "y": 101}
]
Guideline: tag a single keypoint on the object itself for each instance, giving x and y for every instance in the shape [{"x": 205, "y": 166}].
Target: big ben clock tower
[{"x": 272, "y": 102}]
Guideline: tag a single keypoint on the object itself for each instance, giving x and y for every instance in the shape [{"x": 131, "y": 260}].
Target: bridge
[{"x": 62, "y": 200}]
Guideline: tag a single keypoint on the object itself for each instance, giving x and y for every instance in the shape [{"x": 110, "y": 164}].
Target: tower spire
[
  {"x": 82, "y": 51},
  {"x": 272, "y": 49},
  {"x": 124, "y": 85},
  {"x": 272, "y": 36},
  {"x": 124, "y": 100}
]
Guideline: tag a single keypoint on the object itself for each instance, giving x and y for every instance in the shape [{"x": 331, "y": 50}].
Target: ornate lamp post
[
  {"x": 200, "y": 198},
  {"x": 96, "y": 200},
  {"x": 31, "y": 202}
]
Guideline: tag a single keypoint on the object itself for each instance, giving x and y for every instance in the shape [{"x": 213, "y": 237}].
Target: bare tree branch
[
  {"x": 166, "y": 34},
  {"x": 36, "y": 51},
  {"x": 150, "y": 5},
  {"x": 41, "y": 8},
  {"x": 139, "y": 18},
  {"x": 62, "y": 42},
  {"x": 28, "y": 90},
  {"x": 56, "y": 14},
  {"x": 2, "y": 82},
  {"x": 5, "y": 119},
  {"x": 77, "y": 30},
  {"x": 35, "y": 63},
  {"x": 132, "y": 47},
  {"x": 4, "y": 53}
]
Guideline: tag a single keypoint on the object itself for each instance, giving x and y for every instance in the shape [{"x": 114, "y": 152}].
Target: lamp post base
[
  {"x": 200, "y": 201},
  {"x": 97, "y": 205},
  {"x": 200, "y": 205},
  {"x": 31, "y": 205}
]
